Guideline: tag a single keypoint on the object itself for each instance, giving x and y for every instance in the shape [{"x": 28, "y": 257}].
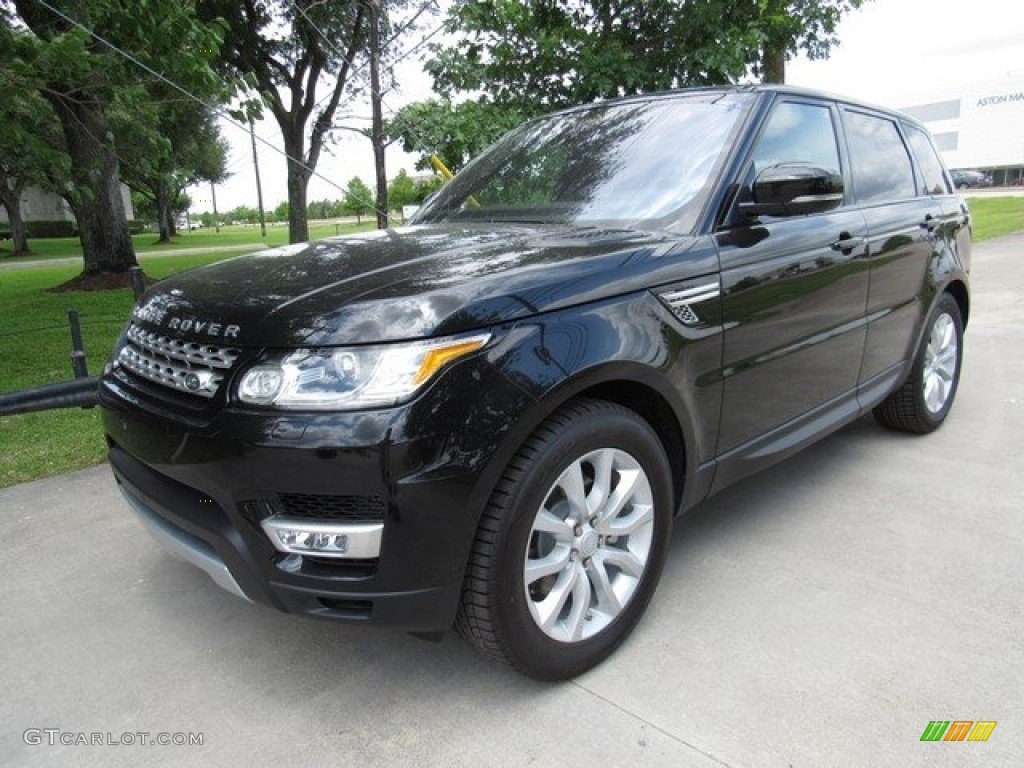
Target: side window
[
  {"x": 879, "y": 159},
  {"x": 934, "y": 181},
  {"x": 798, "y": 133}
]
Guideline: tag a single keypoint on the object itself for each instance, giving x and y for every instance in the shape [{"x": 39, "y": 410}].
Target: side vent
[{"x": 683, "y": 303}]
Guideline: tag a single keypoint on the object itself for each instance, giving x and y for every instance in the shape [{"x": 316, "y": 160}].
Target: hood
[{"x": 408, "y": 283}]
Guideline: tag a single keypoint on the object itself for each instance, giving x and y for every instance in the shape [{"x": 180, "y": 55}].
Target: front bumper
[
  {"x": 204, "y": 489},
  {"x": 182, "y": 545}
]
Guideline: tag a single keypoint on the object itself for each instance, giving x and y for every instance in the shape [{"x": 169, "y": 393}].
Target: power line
[
  {"x": 223, "y": 114},
  {"x": 214, "y": 109}
]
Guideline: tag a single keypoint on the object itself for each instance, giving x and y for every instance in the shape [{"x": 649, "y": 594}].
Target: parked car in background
[
  {"x": 971, "y": 179},
  {"x": 490, "y": 418}
]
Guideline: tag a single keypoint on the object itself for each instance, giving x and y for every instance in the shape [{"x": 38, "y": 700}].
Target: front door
[{"x": 794, "y": 295}]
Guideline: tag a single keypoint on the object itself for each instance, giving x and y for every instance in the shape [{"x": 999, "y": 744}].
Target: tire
[
  {"x": 587, "y": 587},
  {"x": 923, "y": 402}
]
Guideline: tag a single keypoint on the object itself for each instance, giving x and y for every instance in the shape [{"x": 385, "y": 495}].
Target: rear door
[{"x": 907, "y": 217}]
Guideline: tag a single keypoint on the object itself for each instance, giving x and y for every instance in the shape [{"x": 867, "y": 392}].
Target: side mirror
[{"x": 793, "y": 189}]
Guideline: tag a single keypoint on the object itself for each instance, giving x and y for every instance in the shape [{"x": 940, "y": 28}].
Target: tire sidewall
[{"x": 528, "y": 645}]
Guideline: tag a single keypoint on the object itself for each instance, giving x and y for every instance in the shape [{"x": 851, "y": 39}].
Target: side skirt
[{"x": 792, "y": 437}]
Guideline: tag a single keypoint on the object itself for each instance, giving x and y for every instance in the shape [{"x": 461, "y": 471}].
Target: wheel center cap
[{"x": 588, "y": 543}]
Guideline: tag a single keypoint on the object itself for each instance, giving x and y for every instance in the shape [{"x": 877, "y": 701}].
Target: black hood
[{"x": 410, "y": 283}]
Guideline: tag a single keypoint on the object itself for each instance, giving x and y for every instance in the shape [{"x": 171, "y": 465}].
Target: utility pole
[
  {"x": 377, "y": 129},
  {"x": 213, "y": 198},
  {"x": 259, "y": 188}
]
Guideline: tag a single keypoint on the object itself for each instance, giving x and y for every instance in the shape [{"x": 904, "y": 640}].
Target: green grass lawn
[
  {"x": 146, "y": 244},
  {"x": 35, "y": 346},
  {"x": 35, "y": 349},
  {"x": 995, "y": 216}
]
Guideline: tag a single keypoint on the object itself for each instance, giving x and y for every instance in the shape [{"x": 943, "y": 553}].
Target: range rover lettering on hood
[
  {"x": 151, "y": 312},
  {"x": 195, "y": 325}
]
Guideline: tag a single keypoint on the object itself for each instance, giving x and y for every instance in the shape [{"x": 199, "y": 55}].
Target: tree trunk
[
  {"x": 11, "y": 199},
  {"x": 164, "y": 214},
  {"x": 377, "y": 128},
  {"x": 102, "y": 224},
  {"x": 773, "y": 64},
  {"x": 298, "y": 184}
]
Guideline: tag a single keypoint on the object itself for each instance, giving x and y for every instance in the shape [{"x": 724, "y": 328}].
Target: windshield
[{"x": 637, "y": 165}]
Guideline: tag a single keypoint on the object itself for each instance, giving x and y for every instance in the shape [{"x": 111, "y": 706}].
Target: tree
[
  {"x": 31, "y": 150},
  {"x": 280, "y": 213},
  {"x": 166, "y": 144},
  {"x": 324, "y": 209},
  {"x": 453, "y": 132},
  {"x": 358, "y": 198},
  {"x": 534, "y": 56},
  {"x": 402, "y": 190},
  {"x": 789, "y": 26},
  {"x": 243, "y": 214},
  {"x": 427, "y": 187},
  {"x": 287, "y": 51},
  {"x": 79, "y": 75}
]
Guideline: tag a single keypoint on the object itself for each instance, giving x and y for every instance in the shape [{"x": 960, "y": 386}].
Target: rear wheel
[
  {"x": 571, "y": 546},
  {"x": 924, "y": 400}
]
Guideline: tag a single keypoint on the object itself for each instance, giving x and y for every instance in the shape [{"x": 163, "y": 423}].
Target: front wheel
[
  {"x": 923, "y": 402},
  {"x": 571, "y": 546}
]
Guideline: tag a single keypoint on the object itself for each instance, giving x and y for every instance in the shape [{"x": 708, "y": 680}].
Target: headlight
[{"x": 351, "y": 377}]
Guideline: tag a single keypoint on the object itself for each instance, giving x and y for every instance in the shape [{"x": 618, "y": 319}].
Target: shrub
[{"x": 51, "y": 228}]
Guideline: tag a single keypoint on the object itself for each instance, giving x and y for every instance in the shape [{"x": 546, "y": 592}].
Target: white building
[
  {"x": 39, "y": 205},
  {"x": 979, "y": 127}
]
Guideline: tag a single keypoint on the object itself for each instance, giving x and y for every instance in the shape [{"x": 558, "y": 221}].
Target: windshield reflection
[{"x": 636, "y": 165}]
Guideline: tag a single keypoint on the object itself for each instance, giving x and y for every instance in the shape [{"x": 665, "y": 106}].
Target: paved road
[{"x": 820, "y": 614}]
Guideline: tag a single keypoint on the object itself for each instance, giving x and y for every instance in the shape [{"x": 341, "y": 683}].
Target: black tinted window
[
  {"x": 934, "y": 180},
  {"x": 798, "y": 133},
  {"x": 881, "y": 165}
]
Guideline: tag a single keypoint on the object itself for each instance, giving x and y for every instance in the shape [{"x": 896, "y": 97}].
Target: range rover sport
[{"x": 491, "y": 417}]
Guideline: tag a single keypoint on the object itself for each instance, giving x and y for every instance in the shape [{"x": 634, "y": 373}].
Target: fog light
[{"x": 356, "y": 541}]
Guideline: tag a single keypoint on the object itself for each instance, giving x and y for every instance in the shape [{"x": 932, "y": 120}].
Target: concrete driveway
[{"x": 820, "y": 614}]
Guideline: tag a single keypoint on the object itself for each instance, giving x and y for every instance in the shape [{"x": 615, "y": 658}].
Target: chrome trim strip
[
  {"x": 184, "y": 546},
  {"x": 698, "y": 293}
]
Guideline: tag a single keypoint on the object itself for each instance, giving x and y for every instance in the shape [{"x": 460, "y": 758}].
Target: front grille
[
  {"x": 362, "y": 509},
  {"x": 186, "y": 366}
]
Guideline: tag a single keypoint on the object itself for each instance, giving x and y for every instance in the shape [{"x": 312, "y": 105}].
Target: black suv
[{"x": 491, "y": 417}]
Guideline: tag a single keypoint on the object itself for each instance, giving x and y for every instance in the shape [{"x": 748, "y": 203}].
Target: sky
[{"x": 891, "y": 52}]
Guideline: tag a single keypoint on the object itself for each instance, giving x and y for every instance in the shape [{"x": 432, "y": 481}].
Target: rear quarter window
[{"x": 933, "y": 178}]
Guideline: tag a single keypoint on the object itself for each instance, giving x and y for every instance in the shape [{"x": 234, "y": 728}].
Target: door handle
[
  {"x": 847, "y": 243},
  {"x": 930, "y": 222}
]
